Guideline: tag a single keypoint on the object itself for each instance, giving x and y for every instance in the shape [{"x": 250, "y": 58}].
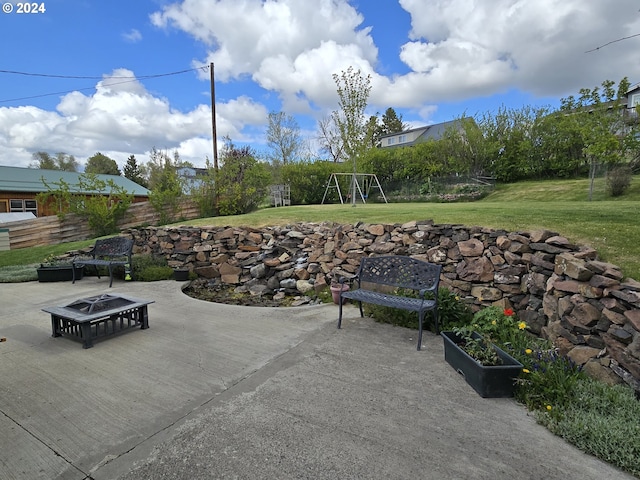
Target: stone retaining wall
[{"x": 562, "y": 291}]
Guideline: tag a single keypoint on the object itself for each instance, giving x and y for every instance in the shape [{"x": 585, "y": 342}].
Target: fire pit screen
[{"x": 97, "y": 317}]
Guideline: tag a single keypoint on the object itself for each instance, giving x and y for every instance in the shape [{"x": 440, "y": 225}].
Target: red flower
[{"x": 508, "y": 312}]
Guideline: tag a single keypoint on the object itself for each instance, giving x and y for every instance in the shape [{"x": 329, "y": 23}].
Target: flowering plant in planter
[{"x": 478, "y": 346}]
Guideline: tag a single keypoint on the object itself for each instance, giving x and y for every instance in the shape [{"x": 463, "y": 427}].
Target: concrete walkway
[{"x": 218, "y": 391}]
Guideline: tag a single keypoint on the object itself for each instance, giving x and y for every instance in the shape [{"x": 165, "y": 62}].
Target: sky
[{"x": 121, "y": 77}]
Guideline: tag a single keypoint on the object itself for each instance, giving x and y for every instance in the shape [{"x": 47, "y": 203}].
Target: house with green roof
[{"x": 19, "y": 188}]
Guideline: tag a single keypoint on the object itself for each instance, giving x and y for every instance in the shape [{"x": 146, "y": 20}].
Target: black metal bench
[
  {"x": 393, "y": 273},
  {"x": 108, "y": 252}
]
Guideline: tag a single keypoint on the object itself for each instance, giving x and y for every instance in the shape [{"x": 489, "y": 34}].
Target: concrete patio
[{"x": 219, "y": 391}]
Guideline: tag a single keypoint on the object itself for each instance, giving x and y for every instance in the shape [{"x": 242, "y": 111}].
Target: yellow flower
[
  {"x": 549, "y": 407},
  {"x": 528, "y": 351},
  {"x": 524, "y": 370},
  {"x": 457, "y": 298},
  {"x": 522, "y": 325},
  {"x": 494, "y": 322}
]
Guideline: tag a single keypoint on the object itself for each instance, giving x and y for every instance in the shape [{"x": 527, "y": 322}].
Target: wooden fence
[{"x": 52, "y": 230}]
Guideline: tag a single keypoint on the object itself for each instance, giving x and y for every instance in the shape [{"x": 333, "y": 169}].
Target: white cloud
[
  {"x": 123, "y": 119},
  {"x": 132, "y": 36},
  {"x": 290, "y": 46},
  {"x": 455, "y": 49},
  {"x": 463, "y": 48}
]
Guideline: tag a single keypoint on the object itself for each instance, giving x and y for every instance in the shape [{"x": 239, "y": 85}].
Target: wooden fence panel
[{"x": 51, "y": 230}]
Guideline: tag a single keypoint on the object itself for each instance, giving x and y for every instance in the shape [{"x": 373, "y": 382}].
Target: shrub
[
  {"x": 618, "y": 180},
  {"x": 155, "y": 273},
  {"x": 602, "y": 421},
  {"x": 548, "y": 379},
  {"x": 452, "y": 311},
  {"x": 150, "y": 268}
]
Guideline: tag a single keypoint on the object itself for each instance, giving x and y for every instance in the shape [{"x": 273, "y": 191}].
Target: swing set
[{"x": 360, "y": 186}]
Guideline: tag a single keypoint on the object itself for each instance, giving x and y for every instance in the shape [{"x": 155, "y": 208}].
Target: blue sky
[{"x": 431, "y": 60}]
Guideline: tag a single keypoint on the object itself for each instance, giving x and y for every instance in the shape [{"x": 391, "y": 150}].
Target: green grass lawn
[{"x": 611, "y": 226}]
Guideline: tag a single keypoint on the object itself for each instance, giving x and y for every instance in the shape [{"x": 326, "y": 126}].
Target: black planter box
[
  {"x": 181, "y": 275},
  {"x": 58, "y": 273},
  {"x": 488, "y": 381}
]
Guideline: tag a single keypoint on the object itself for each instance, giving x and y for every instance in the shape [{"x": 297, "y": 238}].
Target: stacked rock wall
[{"x": 562, "y": 291}]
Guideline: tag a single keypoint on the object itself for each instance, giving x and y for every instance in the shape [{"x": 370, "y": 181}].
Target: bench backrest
[
  {"x": 113, "y": 247},
  {"x": 400, "y": 271}
]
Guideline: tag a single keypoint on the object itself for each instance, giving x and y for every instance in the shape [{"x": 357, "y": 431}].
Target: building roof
[
  {"x": 17, "y": 179},
  {"x": 429, "y": 132}
]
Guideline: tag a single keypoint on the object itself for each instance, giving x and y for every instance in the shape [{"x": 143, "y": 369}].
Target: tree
[
  {"x": 61, "y": 161},
  {"x": 283, "y": 137},
  {"x": 102, "y": 208},
  {"x": 597, "y": 114},
  {"x": 133, "y": 172},
  {"x": 391, "y": 122},
  {"x": 166, "y": 185},
  {"x": 242, "y": 180},
  {"x": 353, "y": 92},
  {"x": 101, "y": 164},
  {"x": 330, "y": 140}
]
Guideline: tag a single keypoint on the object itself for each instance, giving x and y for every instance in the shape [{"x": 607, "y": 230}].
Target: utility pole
[{"x": 214, "y": 137}]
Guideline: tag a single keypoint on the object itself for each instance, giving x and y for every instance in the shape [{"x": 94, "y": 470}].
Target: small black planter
[
  {"x": 488, "y": 381},
  {"x": 58, "y": 273},
  {"x": 181, "y": 275}
]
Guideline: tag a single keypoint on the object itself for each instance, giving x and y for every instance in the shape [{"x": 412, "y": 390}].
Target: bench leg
[
  {"x": 110, "y": 275},
  {"x": 339, "y": 311},
  {"x": 420, "y": 319}
]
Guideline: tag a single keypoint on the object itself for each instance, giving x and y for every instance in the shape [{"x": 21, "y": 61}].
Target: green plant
[
  {"x": 548, "y": 380},
  {"x": 452, "y": 311},
  {"x": 602, "y": 421},
  {"x": 154, "y": 273},
  {"x": 502, "y": 326},
  {"x": 150, "y": 268},
  {"x": 53, "y": 260},
  {"x": 618, "y": 180},
  {"x": 102, "y": 208},
  {"x": 479, "y": 347},
  {"x": 18, "y": 273}
]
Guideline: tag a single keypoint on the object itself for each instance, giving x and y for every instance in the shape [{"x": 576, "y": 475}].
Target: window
[
  {"x": 16, "y": 205},
  {"x": 635, "y": 100},
  {"x": 402, "y": 138},
  {"x": 391, "y": 141}
]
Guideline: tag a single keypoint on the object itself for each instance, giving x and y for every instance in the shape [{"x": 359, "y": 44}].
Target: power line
[
  {"x": 613, "y": 41},
  {"x": 104, "y": 77}
]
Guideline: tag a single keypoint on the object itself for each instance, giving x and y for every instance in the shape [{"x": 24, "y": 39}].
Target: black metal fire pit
[{"x": 98, "y": 317}]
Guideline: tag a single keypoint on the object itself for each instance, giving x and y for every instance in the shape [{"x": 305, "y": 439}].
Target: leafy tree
[
  {"x": 308, "y": 180},
  {"x": 463, "y": 149},
  {"x": 373, "y": 131},
  {"x": 61, "y": 161},
  {"x": 353, "y": 92},
  {"x": 598, "y": 117},
  {"x": 100, "y": 163},
  {"x": 203, "y": 193},
  {"x": 106, "y": 203},
  {"x": 133, "y": 172},
  {"x": 283, "y": 137},
  {"x": 167, "y": 187},
  {"x": 242, "y": 180},
  {"x": 391, "y": 122}
]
